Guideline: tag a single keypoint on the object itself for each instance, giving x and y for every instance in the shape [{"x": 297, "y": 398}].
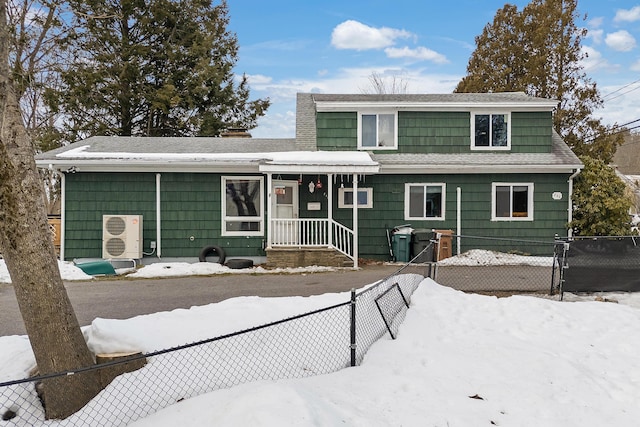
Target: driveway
[{"x": 124, "y": 298}]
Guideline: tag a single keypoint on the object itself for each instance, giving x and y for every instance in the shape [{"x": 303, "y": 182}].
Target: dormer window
[
  {"x": 490, "y": 131},
  {"x": 377, "y": 131}
]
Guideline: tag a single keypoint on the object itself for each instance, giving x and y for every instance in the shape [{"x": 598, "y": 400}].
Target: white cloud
[
  {"x": 355, "y": 35},
  {"x": 596, "y": 22},
  {"x": 593, "y": 60},
  {"x": 620, "y": 107},
  {"x": 596, "y": 35},
  {"x": 635, "y": 66},
  {"x": 258, "y": 79},
  {"x": 419, "y": 53},
  {"x": 629, "y": 15},
  {"x": 594, "y": 30},
  {"x": 621, "y": 41}
]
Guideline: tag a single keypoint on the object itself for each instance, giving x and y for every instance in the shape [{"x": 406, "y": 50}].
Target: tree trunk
[{"x": 27, "y": 247}]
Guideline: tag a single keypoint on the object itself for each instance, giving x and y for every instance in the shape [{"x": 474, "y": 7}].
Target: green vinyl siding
[
  {"x": 435, "y": 132},
  {"x": 550, "y": 216},
  {"x": 91, "y": 195},
  {"x": 190, "y": 207},
  {"x": 337, "y": 131},
  {"x": 318, "y": 196},
  {"x": 531, "y": 132}
]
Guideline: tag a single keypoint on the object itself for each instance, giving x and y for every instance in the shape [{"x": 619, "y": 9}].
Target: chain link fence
[
  {"x": 497, "y": 266},
  {"x": 319, "y": 342}
]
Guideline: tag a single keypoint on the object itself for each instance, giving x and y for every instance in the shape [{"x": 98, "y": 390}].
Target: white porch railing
[{"x": 312, "y": 232}]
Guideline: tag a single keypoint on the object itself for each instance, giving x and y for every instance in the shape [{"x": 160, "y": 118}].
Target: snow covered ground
[{"x": 459, "y": 360}]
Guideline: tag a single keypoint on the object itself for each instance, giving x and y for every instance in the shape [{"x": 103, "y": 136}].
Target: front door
[{"x": 285, "y": 212}]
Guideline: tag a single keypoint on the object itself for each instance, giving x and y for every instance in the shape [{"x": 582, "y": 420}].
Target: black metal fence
[
  {"x": 322, "y": 341},
  {"x": 600, "y": 264}
]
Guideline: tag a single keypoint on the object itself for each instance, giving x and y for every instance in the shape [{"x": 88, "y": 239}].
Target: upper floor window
[
  {"x": 424, "y": 201},
  {"x": 377, "y": 131},
  {"x": 512, "y": 201},
  {"x": 490, "y": 131},
  {"x": 242, "y": 205}
]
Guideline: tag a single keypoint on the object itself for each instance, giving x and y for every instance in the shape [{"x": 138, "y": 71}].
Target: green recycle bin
[{"x": 401, "y": 245}]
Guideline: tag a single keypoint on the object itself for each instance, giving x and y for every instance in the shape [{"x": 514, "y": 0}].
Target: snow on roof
[
  {"x": 288, "y": 157},
  {"x": 301, "y": 161}
]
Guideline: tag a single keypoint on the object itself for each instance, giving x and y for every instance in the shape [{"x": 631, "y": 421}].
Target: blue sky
[{"x": 333, "y": 46}]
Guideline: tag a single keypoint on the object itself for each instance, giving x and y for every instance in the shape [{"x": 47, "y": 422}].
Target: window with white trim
[
  {"x": 242, "y": 206},
  {"x": 345, "y": 197},
  {"x": 490, "y": 131},
  {"x": 424, "y": 201},
  {"x": 512, "y": 201},
  {"x": 377, "y": 131}
]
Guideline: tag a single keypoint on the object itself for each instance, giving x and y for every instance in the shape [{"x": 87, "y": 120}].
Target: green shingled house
[{"x": 478, "y": 164}]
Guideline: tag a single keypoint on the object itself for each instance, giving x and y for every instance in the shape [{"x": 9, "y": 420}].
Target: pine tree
[
  {"x": 538, "y": 51},
  {"x": 152, "y": 68}
]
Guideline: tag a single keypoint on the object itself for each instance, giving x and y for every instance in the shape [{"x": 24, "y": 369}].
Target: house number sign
[{"x": 556, "y": 195}]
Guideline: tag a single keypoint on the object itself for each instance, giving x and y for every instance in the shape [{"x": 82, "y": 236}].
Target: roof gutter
[
  {"x": 327, "y": 106},
  {"x": 461, "y": 168}
]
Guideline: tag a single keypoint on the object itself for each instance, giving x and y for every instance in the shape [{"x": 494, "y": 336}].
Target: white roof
[{"x": 82, "y": 157}]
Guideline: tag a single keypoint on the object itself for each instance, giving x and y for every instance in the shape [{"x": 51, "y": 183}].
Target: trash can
[
  {"x": 421, "y": 239},
  {"x": 401, "y": 244}
]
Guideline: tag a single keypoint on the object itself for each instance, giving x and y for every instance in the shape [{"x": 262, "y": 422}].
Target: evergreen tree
[
  {"x": 152, "y": 68},
  {"x": 600, "y": 202},
  {"x": 538, "y": 51}
]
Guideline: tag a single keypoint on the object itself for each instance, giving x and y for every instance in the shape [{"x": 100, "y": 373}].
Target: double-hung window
[
  {"x": 512, "y": 201},
  {"x": 490, "y": 131},
  {"x": 424, "y": 201},
  {"x": 242, "y": 206},
  {"x": 377, "y": 131}
]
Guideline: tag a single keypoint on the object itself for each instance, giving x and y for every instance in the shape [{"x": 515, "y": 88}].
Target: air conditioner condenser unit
[{"x": 121, "y": 236}]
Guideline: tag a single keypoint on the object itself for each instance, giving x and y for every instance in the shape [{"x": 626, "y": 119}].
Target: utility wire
[
  {"x": 619, "y": 89},
  {"x": 612, "y": 133},
  {"x": 623, "y": 93}
]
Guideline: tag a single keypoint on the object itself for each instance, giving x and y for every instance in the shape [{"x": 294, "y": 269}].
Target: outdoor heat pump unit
[{"x": 121, "y": 236}]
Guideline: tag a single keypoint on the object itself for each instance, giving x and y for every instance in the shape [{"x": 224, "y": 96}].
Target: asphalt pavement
[{"x": 123, "y": 298}]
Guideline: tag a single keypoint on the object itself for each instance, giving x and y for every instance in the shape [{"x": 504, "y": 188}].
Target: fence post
[{"x": 353, "y": 327}]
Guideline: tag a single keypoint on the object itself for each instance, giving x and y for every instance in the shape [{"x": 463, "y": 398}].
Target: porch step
[{"x": 306, "y": 257}]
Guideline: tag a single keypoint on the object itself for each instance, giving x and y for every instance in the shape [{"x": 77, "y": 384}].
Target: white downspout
[
  {"x": 63, "y": 213},
  {"x": 570, "y": 231},
  {"x": 158, "y": 218},
  {"x": 355, "y": 220},
  {"x": 63, "y": 201},
  {"x": 458, "y": 219},
  {"x": 330, "y": 208},
  {"x": 269, "y": 208}
]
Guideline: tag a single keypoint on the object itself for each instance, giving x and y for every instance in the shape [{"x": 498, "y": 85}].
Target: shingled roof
[
  {"x": 560, "y": 158},
  {"x": 519, "y": 98}
]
